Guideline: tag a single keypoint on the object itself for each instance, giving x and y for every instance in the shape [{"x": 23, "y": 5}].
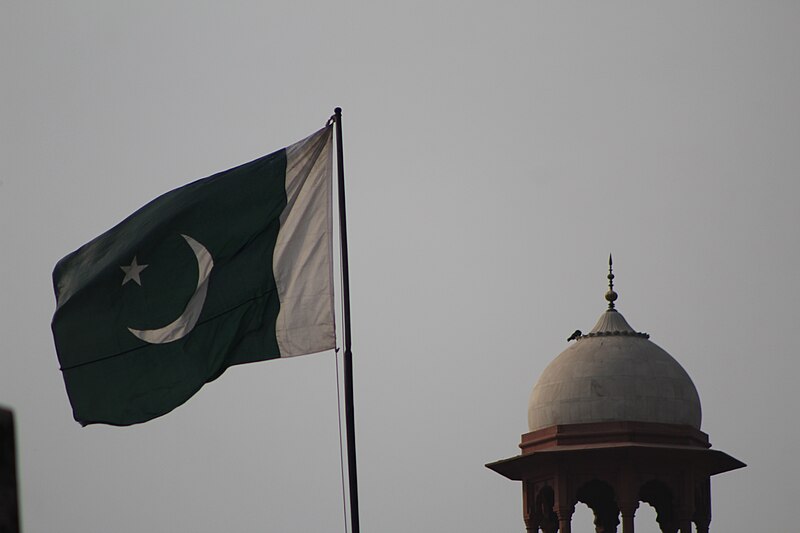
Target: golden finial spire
[{"x": 611, "y": 296}]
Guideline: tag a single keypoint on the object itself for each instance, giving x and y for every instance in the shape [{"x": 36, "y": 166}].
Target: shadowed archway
[
  {"x": 599, "y": 497},
  {"x": 659, "y": 496}
]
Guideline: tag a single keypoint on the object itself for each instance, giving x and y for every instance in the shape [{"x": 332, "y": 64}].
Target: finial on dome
[{"x": 611, "y": 296}]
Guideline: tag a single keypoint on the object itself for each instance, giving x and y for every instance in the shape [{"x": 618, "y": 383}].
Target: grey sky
[{"x": 495, "y": 155}]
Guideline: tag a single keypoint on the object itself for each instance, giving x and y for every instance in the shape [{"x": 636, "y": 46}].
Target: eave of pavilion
[{"x": 542, "y": 462}]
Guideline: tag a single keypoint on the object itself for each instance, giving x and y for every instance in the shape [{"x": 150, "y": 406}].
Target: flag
[{"x": 230, "y": 269}]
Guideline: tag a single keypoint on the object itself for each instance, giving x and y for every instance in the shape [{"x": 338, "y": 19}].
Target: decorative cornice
[
  {"x": 604, "y": 433},
  {"x": 615, "y": 334}
]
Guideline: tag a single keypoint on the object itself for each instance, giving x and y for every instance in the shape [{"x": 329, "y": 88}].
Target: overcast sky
[{"x": 495, "y": 156}]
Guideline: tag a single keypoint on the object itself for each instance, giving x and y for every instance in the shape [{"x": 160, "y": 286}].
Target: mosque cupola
[
  {"x": 614, "y": 420},
  {"x": 613, "y": 373}
]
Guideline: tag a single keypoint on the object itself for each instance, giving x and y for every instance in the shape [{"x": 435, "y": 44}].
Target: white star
[{"x": 132, "y": 272}]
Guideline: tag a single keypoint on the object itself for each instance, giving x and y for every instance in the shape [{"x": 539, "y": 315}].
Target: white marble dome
[{"x": 614, "y": 374}]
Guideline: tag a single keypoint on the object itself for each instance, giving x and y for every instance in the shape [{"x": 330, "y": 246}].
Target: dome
[{"x": 613, "y": 374}]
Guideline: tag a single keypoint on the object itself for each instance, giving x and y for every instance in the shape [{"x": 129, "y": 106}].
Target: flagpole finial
[
  {"x": 337, "y": 115},
  {"x": 611, "y": 296}
]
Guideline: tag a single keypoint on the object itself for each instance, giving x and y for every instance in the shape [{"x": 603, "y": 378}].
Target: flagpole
[{"x": 348, "y": 354}]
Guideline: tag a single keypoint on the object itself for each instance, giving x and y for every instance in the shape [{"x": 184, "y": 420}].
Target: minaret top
[
  {"x": 613, "y": 373},
  {"x": 611, "y": 296}
]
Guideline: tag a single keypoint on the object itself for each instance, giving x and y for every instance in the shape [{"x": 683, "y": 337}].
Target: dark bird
[{"x": 575, "y": 335}]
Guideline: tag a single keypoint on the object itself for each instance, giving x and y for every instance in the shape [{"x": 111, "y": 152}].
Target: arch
[
  {"x": 599, "y": 497},
  {"x": 582, "y": 519},
  {"x": 657, "y": 494},
  {"x": 646, "y": 519},
  {"x": 543, "y": 516},
  {"x": 545, "y": 501}
]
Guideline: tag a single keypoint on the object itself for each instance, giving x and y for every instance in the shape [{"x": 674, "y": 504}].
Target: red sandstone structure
[{"x": 615, "y": 420}]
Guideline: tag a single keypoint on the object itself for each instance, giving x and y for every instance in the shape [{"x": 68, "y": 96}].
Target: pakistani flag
[{"x": 230, "y": 269}]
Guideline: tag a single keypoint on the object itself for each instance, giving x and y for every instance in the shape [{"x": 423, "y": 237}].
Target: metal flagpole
[{"x": 348, "y": 354}]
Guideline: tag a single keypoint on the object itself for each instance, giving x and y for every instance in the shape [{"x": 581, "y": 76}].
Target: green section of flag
[{"x": 114, "y": 377}]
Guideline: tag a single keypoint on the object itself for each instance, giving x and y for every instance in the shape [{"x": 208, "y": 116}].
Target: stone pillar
[
  {"x": 627, "y": 523},
  {"x": 702, "y": 506},
  {"x": 549, "y": 523},
  {"x": 628, "y": 511},
  {"x": 683, "y": 520},
  {"x": 564, "y": 500},
  {"x": 532, "y": 524},
  {"x": 565, "y": 519},
  {"x": 529, "y": 514},
  {"x": 606, "y": 520},
  {"x": 685, "y": 508},
  {"x": 628, "y": 496},
  {"x": 564, "y": 514}
]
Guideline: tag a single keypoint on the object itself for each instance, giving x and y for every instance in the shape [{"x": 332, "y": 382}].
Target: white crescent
[{"x": 185, "y": 323}]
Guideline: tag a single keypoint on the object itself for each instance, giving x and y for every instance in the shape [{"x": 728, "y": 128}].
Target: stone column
[
  {"x": 532, "y": 524},
  {"x": 529, "y": 511},
  {"x": 549, "y": 524},
  {"x": 565, "y": 519},
  {"x": 685, "y": 508},
  {"x": 564, "y": 501},
  {"x": 702, "y": 506},
  {"x": 628, "y": 511},
  {"x": 628, "y": 497}
]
